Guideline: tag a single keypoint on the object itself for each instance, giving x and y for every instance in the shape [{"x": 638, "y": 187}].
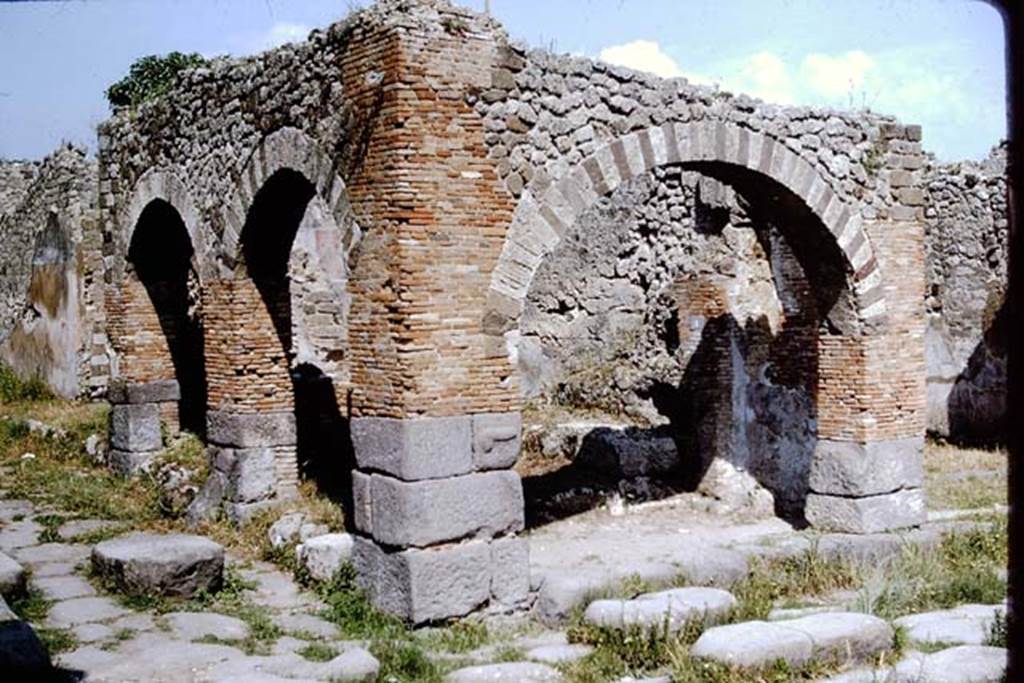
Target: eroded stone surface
[
  {"x": 964, "y": 625},
  {"x": 197, "y": 625},
  {"x": 670, "y": 608},
  {"x": 323, "y": 556},
  {"x": 83, "y": 611},
  {"x": 156, "y": 564}
]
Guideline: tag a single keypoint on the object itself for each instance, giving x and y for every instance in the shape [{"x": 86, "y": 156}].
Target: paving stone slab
[
  {"x": 63, "y": 587},
  {"x": 52, "y": 552},
  {"x": 12, "y": 509},
  {"x": 6, "y": 613},
  {"x": 12, "y": 576},
  {"x": 92, "y": 633},
  {"x": 19, "y": 534},
  {"x": 152, "y": 658},
  {"x": 161, "y": 564},
  {"x": 76, "y": 528},
  {"x": 198, "y": 625},
  {"x": 356, "y": 664},
  {"x": 671, "y": 608},
  {"x": 68, "y": 613},
  {"x": 558, "y": 654},
  {"x": 848, "y": 636},
  {"x": 276, "y": 590},
  {"x": 961, "y": 664},
  {"x": 754, "y": 643},
  {"x": 305, "y": 623},
  {"x": 965, "y": 625},
  {"x": 54, "y": 569},
  {"x": 519, "y": 672}
]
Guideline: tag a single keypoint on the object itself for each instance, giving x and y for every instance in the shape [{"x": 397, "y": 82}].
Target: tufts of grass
[
  {"x": 460, "y": 637},
  {"x": 318, "y": 652},
  {"x": 51, "y": 524},
  {"x": 56, "y": 640},
  {"x": 31, "y": 606},
  {"x": 962, "y": 569},
  {"x": 403, "y": 661},
  {"x": 14, "y": 389},
  {"x": 788, "y": 578}
]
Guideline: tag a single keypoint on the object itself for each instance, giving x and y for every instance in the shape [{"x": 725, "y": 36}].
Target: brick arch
[
  {"x": 164, "y": 185},
  {"x": 544, "y": 215},
  {"x": 287, "y": 149}
]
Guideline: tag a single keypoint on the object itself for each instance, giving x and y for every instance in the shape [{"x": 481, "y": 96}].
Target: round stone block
[{"x": 178, "y": 565}]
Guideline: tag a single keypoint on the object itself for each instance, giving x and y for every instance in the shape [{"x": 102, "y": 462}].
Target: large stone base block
[
  {"x": 130, "y": 463},
  {"x": 845, "y": 468},
  {"x": 866, "y": 514},
  {"x": 135, "y": 427},
  {"x": 422, "y": 585}
]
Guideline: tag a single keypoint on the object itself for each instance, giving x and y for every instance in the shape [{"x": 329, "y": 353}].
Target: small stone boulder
[
  {"x": 671, "y": 608},
  {"x": 178, "y": 565},
  {"x": 323, "y": 556},
  {"x": 293, "y": 528},
  {"x": 356, "y": 664},
  {"x": 12, "y": 577}
]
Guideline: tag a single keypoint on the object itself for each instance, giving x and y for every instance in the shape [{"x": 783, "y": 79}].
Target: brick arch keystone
[
  {"x": 163, "y": 184},
  {"x": 544, "y": 215},
  {"x": 291, "y": 149}
]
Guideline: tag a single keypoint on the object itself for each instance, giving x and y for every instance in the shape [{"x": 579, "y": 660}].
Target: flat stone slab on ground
[
  {"x": 847, "y": 635},
  {"x": 306, "y": 624},
  {"x": 77, "y": 611},
  {"x": 63, "y": 587},
  {"x": 960, "y": 664},
  {"x": 153, "y": 658},
  {"x": 19, "y": 534},
  {"x": 52, "y": 552},
  {"x": 198, "y": 625},
  {"x": 12, "y": 576},
  {"x": 161, "y": 564},
  {"x": 12, "y": 509},
  {"x": 92, "y": 633},
  {"x": 76, "y": 528},
  {"x": 557, "y": 654},
  {"x": 965, "y": 625},
  {"x": 513, "y": 672},
  {"x": 673, "y": 608}
]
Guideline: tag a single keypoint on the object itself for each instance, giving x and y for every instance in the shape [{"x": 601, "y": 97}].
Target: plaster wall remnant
[
  {"x": 387, "y": 235},
  {"x": 50, "y": 270}
]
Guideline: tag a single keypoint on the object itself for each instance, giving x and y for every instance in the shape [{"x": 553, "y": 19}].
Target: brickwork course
[{"x": 380, "y": 240}]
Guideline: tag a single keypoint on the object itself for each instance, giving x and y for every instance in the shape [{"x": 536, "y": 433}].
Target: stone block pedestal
[
  {"x": 866, "y": 488},
  {"x": 136, "y": 418},
  {"x": 438, "y": 509}
]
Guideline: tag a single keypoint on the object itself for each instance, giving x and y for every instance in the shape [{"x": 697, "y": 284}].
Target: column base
[{"x": 866, "y": 514}]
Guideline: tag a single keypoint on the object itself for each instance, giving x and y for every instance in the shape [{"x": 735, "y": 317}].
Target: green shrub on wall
[{"x": 150, "y": 77}]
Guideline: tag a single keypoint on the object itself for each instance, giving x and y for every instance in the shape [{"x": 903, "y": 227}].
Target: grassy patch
[
  {"x": 318, "y": 652},
  {"x": 461, "y": 637},
  {"x": 13, "y": 389},
  {"x": 961, "y": 570},
  {"x": 50, "y": 524},
  {"x": 32, "y": 606},
  {"x": 964, "y": 478},
  {"x": 996, "y": 633},
  {"x": 56, "y": 640}
]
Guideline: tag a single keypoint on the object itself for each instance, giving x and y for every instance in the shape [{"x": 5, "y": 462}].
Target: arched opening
[
  {"x": 161, "y": 257},
  {"x": 282, "y": 245},
  {"x": 686, "y": 308}
]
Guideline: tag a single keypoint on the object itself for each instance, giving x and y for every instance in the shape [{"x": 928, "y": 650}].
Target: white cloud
[
  {"x": 764, "y": 75},
  {"x": 284, "y": 32},
  {"x": 915, "y": 83},
  {"x": 836, "y": 75},
  {"x": 642, "y": 55}
]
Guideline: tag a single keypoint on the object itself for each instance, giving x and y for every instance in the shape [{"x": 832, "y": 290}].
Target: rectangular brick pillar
[
  {"x": 867, "y": 472},
  {"x": 437, "y": 511}
]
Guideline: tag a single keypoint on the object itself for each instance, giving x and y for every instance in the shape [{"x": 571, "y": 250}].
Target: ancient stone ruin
[{"x": 355, "y": 258}]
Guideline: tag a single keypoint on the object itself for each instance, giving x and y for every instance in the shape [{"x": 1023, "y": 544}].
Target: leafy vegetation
[
  {"x": 150, "y": 77},
  {"x": 14, "y": 389}
]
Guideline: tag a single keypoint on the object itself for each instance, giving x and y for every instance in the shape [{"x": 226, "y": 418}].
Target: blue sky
[{"x": 934, "y": 62}]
